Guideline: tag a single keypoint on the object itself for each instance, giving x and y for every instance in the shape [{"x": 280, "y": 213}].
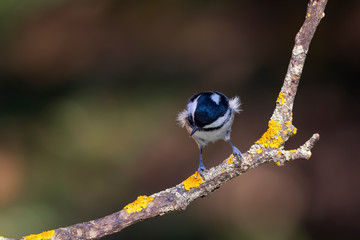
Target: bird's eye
[{"x": 190, "y": 121}]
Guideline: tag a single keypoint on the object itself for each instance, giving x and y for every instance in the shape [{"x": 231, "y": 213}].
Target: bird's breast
[{"x": 204, "y": 137}]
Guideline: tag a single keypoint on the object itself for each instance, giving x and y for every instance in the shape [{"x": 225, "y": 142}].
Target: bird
[{"x": 208, "y": 117}]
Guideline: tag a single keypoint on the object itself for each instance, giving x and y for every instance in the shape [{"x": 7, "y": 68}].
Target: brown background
[{"x": 89, "y": 93}]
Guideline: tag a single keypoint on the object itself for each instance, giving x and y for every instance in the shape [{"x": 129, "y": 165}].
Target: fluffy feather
[
  {"x": 235, "y": 104},
  {"x": 181, "y": 118}
]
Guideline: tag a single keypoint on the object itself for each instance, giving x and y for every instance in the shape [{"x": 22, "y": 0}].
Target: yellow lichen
[
  {"x": 288, "y": 123},
  {"x": 43, "y": 235},
  {"x": 308, "y": 15},
  {"x": 281, "y": 98},
  {"x": 193, "y": 181},
  {"x": 139, "y": 204},
  {"x": 278, "y": 163},
  {"x": 230, "y": 159},
  {"x": 259, "y": 150},
  {"x": 292, "y": 151},
  {"x": 289, "y": 130},
  {"x": 275, "y": 143},
  {"x": 222, "y": 170},
  {"x": 271, "y": 132}
]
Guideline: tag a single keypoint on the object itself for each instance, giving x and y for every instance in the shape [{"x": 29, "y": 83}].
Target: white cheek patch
[
  {"x": 192, "y": 107},
  {"x": 216, "y": 98}
]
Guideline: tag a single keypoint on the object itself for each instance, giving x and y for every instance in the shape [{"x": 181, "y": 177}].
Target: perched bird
[{"x": 208, "y": 117}]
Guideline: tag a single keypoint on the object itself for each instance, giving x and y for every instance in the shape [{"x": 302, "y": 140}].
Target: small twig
[{"x": 269, "y": 148}]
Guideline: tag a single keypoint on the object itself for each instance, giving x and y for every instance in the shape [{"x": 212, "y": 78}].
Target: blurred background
[{"x": 89, "y": 94}]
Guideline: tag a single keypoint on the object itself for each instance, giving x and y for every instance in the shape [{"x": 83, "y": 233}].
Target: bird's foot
[
  {"x": 237, "y": 153},
  {"x": 201, "y": 170}
]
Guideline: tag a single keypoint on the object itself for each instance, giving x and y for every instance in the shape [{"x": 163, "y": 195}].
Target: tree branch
[{"x": 269, "y": 148}]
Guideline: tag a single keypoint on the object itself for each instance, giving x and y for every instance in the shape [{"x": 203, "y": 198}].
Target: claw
[
  {"x": 201, "y": 170},
  {"x": 237, "y": 152}
]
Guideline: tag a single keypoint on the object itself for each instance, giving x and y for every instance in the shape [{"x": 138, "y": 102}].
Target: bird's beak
[{"x": 194, "y": 130}]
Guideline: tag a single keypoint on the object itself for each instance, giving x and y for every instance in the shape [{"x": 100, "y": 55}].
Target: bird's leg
[
  {"x": 236, "y": 151},
  {"x": 201, "y": 165}
]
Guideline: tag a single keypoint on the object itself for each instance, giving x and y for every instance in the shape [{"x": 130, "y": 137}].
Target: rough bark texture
[{"x": 269, "y": 148}]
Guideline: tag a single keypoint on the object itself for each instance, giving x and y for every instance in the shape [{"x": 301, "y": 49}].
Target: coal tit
[{"x": 208, "y": 117}]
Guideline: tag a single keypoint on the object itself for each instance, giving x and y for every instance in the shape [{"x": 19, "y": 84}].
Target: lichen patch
[
  {"x": 40, "y": 236},
  {"x": 269, "y": 137},
  {"x": 281, "y": 99},
  {"x": 139, "y": 204},
  {"x": 193, "y": 181},
  {"x": 230, "y": 159}
]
